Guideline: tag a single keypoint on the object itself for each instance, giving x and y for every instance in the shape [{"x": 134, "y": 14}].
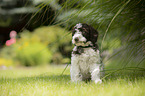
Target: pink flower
[
  {"x": 13, "y": 34},
  {"x": 10, "y": 42}
]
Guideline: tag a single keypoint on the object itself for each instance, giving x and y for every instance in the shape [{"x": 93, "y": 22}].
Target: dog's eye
[{"x": 84, "y": 29}]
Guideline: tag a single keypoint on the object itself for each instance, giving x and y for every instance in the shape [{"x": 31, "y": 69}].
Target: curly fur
[{"x": 86, "y": 63}]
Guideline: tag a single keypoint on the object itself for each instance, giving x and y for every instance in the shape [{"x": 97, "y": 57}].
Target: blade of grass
[
  {"x": 64, "y": 69},
  {"x": 127, "y": 68},
  {"x": 73, "y": 15},
  {"x": 118, "y": 12},
  {"x": 33, "y": 15}
]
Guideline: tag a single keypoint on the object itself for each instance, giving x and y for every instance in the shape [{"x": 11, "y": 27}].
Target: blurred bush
[
  {"x": 58, "y": 40},
  {"x": 33, "y": 53},
  {"x": 6, "y": 62},
  {"x": 47, "y": 44}
]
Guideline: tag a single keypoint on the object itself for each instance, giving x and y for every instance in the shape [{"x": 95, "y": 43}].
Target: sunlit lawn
[{"x": 47, "y": 81}]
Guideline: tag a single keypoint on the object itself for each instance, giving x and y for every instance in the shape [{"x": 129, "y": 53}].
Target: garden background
[{"x": 35, "y": 45}]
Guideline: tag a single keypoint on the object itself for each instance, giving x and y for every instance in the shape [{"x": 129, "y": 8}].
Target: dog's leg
[
  {"x": 75, "y": 73},
  {"x": 95, "y": 73}
]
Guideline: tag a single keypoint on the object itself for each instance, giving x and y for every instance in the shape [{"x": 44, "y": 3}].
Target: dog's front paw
[{"x": 98, "y": 81}]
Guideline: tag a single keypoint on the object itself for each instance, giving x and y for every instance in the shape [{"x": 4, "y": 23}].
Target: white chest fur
[{"x": 85, "y": 60}]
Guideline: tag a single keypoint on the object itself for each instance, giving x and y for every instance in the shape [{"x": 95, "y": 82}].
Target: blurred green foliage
[
  {"x": 32, "y": 54},
  {"x": 58, "y": 40},
  {"x": 6, "y": 62},
  {"x": 120, "y": 24},
  {"x": 45, "y": 45}
]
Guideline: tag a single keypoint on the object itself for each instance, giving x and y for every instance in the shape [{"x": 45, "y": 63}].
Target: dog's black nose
[{"x": 76, "y": 39}]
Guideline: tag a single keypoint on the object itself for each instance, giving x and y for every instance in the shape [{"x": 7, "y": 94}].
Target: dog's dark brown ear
[{"x": 93, "y": 35}]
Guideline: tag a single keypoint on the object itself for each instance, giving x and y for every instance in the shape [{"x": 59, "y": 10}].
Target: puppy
[{"x": 86, "y": 63}]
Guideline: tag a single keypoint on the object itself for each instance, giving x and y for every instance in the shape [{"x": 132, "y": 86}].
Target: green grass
[{"x": 47, "y": 81}]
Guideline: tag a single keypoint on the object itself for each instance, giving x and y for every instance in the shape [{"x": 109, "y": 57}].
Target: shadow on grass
[{"x": 39, "y": 78}]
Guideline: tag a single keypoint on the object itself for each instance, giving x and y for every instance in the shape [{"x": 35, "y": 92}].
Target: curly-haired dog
[{"x": 86, "y": 63}]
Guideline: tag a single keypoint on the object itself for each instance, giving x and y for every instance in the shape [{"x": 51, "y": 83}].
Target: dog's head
[{"x": 84, "y": 35}]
